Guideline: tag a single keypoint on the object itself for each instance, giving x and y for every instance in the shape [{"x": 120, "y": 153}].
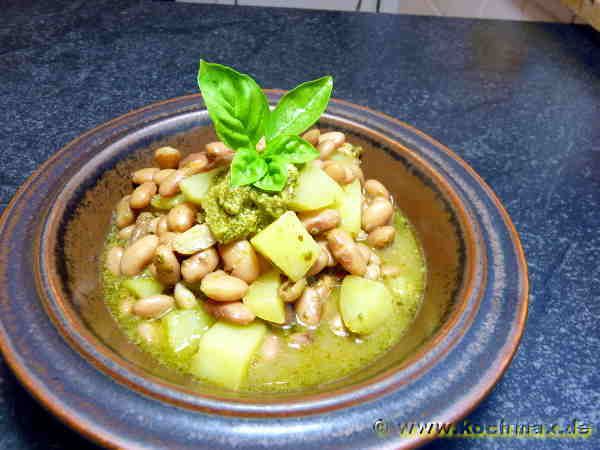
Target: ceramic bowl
[{"x": 60, "y": 340}]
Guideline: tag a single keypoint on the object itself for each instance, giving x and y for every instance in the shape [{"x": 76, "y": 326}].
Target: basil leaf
[
  {"x": 247, "y": 167},
  {"x": 276, "y": 177},
  {"x": 300, "y": 108},
  {"x": 236, "y": 104},
  {"x": 293, "y": 149}
]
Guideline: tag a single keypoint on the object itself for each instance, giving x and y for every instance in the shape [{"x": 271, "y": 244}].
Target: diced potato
[
  {"x": 225, "y": 351},
  {"x": 364, "y": 304},
  {"x": 287, "y": 244},
  {"x": 349, "y": 205},
  {"x": 184, "y": 297},
  {"x": 160, "y": 202},
  {"x": 405, "y": 254},
  {"x": 263, "y": 298},
  {"x": 185, "y": 328},
  {"x": 194, "y": 188},
  {"x": 143, "y": 287},
  {"x": 315, "y": 190}
]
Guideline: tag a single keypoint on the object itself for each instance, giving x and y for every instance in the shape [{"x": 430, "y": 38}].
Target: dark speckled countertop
[{"x": 520, "y": 102}]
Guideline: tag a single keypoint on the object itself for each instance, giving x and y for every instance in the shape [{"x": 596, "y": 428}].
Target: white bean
[
  {"x": 325, "y": 259},
  {"x": 142, "y": 195},
  {"x": 124, "y": 215},
  {"x": 196, "y": 267},
  {"x": 308, "y": 307},
  {"x": 326, "y": 149},
  {"x": 162, "y": 226},
  {"x": 145, "y": 175},
  {"x": 113, "y": 260},
  {"x": 181, "y": 217},
  {"x": 138, "y": 255},
  {"x": 142, "y": 225},
  {"x": 234, "y": 312},
  {"x": 222, "y": 287},
  {"x": 166, "y": 265},
  {"x": 125, "y": 233},
  {"x": 167, "y": 157},
  {"x": 154, "y": 306},
  {"x": 239, "y": 258},
  {"x": 184, "y": 298},
  {"x": 346, "y": 251},
  {"x": 219, "y": 152},
  {"x": 312, "y": 136},
  {"x": 337, "y": 137},
  {"x": 340, "y": 173},
  {"x": 318, "y": 221},
  {"x": 162, "y": 175},
  {"x": 377, "y": 213},
  {"x": 198, "y": 156},
  {"x": 374, "y": 188},
  {"x": 381, "y": 236},
  {"x": 170, "y": 185}
]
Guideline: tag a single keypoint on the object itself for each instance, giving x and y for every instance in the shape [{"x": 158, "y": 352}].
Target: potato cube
[
  {"x": 364, "y": 304},
  {"x": 185, "y": 328},
  {"x": 349, "y": 205},
  {"x": 196, "y": 187},
  {"x": 287, "y": 244},
  {"x": 143, "y": 286},
  {"x": 315, "y": 190},
  {"x": 263, "y": 298},
  {"x": 225, "y": 351}
]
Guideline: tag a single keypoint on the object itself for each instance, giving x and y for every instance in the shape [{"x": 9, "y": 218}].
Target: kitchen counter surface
[{"x": 520, "y": 102}]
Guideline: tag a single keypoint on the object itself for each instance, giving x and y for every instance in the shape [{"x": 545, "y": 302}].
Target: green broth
[{"x": 329, "y": 357}]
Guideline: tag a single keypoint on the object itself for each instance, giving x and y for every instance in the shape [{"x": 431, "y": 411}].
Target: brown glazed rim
[{"x": 456, "y": 414}]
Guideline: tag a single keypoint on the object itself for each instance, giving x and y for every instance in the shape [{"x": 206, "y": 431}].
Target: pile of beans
[{"x": 178, "y": 249}]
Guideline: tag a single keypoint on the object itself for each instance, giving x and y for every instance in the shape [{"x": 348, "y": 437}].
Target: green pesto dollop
[{"x": 234, "y": 213}]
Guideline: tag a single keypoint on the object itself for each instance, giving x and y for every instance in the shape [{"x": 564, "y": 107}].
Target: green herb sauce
[{"x": 234, "y": 213}]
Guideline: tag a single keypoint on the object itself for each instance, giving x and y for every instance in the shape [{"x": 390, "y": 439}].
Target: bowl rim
[
  {"x": 73, "y": 329},
  {"x": 39, "y": 392}
]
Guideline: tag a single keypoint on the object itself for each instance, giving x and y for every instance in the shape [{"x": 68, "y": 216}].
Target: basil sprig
[
  {"x": 236, "y": 104},
  {"x": 241, "y": 115},
  {"x": 300, "y": 108},
  {"x": 292, "y": 148},
  {"x": 276, "y": 175},
  {"x": 247, "y": 167}
]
